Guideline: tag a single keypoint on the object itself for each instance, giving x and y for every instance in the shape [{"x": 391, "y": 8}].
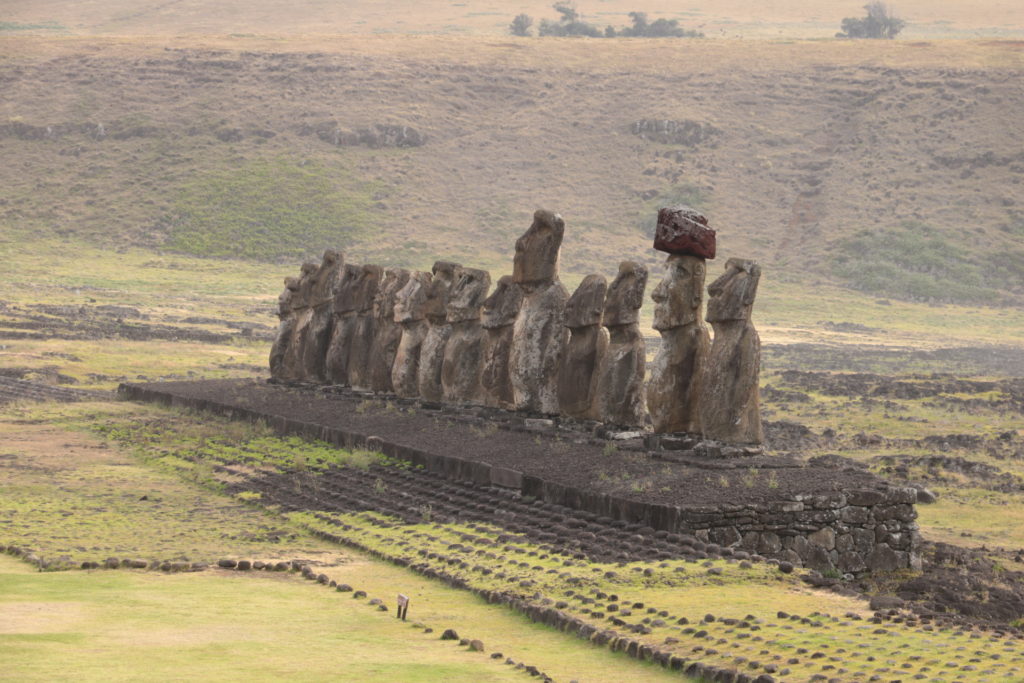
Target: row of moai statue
[{"x": 530, "y": 346}]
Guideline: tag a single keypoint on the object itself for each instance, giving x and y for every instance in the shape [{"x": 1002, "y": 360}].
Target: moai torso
[
  {"x": 318, "y": 336},
  {"x": 463, "y": 353},
  {"x": 388, "y": 332},
  {"x": 674, "y": 389},
  {"x": 344, "y": 324},
  {"x": 730, "y": 406},
  {"x": 588, "y": 342},
  {"x": 498, "y": 317},
  {"x": 410, "y": 314},
  {"x": 292, "y": 367},
  {"x": 620, "y": 396},
  {"x": 538, "y": 336},
  {"x": 432, "y": 351},
  {"x": 284, "y": 328},
  {"x": 363, "y": 336}
]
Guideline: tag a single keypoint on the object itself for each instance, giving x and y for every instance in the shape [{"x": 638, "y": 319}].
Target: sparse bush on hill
[
  {"x": 915, "y": 262},
  {"x": 879, "y": 23},
  {"x": 520, "y": 26},
  {"x": 571, "y": 24}
]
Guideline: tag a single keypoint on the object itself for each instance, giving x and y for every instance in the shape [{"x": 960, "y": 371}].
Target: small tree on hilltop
[
  {"x": 879, "y": 23},
  {"x": 520, "y": 26}
]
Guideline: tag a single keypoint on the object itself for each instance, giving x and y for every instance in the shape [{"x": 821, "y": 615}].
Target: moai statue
[
  {"x": 588, "y": 341},
  {"x": 411, "y": 314},
  {"x": 538, "y": 336},
  {"x": 730, "y": 405},
  {"x": 345, "y": 322},
  {"x": 364, "y": 335},
  {"x": 463, "y": 354},
  {"x": 432, "y": 351},
  {"x": 292, "y": 367},
  {"x": 318, "y": 336},
  {"x": 620, "y": 384},
  {"x": 499, "y": 315},
  {"x": 388, "y": 332},
  {"x": 674, "y": 390},
  {"x": 284, "y": 328}
]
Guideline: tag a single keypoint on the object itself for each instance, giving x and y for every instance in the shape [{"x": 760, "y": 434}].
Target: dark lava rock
[
  {"x": 449, "y": 634},
  {"x": 227, "y": 564}
]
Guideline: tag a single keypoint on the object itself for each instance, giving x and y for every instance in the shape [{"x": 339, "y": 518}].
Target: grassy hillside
[{"x": 876, "y": 167}]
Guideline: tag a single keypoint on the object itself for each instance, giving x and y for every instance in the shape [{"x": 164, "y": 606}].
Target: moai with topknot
[
  {"x": 538, "y": 336},
  {"x": 588, "y": 342},
  {"x": 674, "y": 389},
  {"x": 620, "y": 385}
]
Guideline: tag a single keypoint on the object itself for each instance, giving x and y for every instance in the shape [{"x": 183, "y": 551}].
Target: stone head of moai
[
  {"x": 348, "y": 289},
  {"x": 440, "y": 288},
  {"x": 326, "y": 275},
  {"x": 678, "y": 297},
  {"x": 625, "y": 295},
  {"x": 684, "y": 230},
  {"x": 307, "y": 275},
  {"x": 586, "y": 305},
  {"x": 411, "y": 299},
  {"x": 392, "y": 281},
  {"x": 731, "y": 296},
  {"x": 467, "y": 294},
  {"x": 287, "y": 297},
  {"x": 536, "y": 259},
  {"x": 502, "y": 306},
  {"x": 366, "y": 287}
]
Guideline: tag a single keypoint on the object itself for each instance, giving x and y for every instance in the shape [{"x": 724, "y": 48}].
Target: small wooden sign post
[{"x": 403, "y": 606}]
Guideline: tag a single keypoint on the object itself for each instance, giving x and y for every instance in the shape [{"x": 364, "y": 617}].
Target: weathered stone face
[
  {"x": 411, "y": 299},
  {"x": 306, "y": 275},
  {"x": 411, "y": 313},
  {"x": 284, "y": 300},
  {"x": 625, "y": 295},
  {"x": 432, "y": 351},
  {"x": 438, "y": 292},
  {"x": 731, "y": 296},
  {"x": 536, "y": 258},
  {"x": 327, "y": 277},
  {"x": 674, "y": 390},
  {"x": 365, "y": 290},
  {"x": 538, "y": 339},
  {"x": 730, "y": 406},
  {"x": 502, "y": 306},
  {"x": 678, "y": 297},
  {"x": 619, "y": 397},
  {"x": 348, "y": 289},
  {"x": 586, "y": 305},
  {"x": 683, "y": 230},
  {"x": 388, "y": 332},
  {"x": 468, "y": 291}
]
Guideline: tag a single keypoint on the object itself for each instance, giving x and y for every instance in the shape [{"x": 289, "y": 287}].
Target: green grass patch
[
  {"x": 12, "y": 26},
  {"x": 915, "y": 261},
  {"x": 269, "y": 209}
]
